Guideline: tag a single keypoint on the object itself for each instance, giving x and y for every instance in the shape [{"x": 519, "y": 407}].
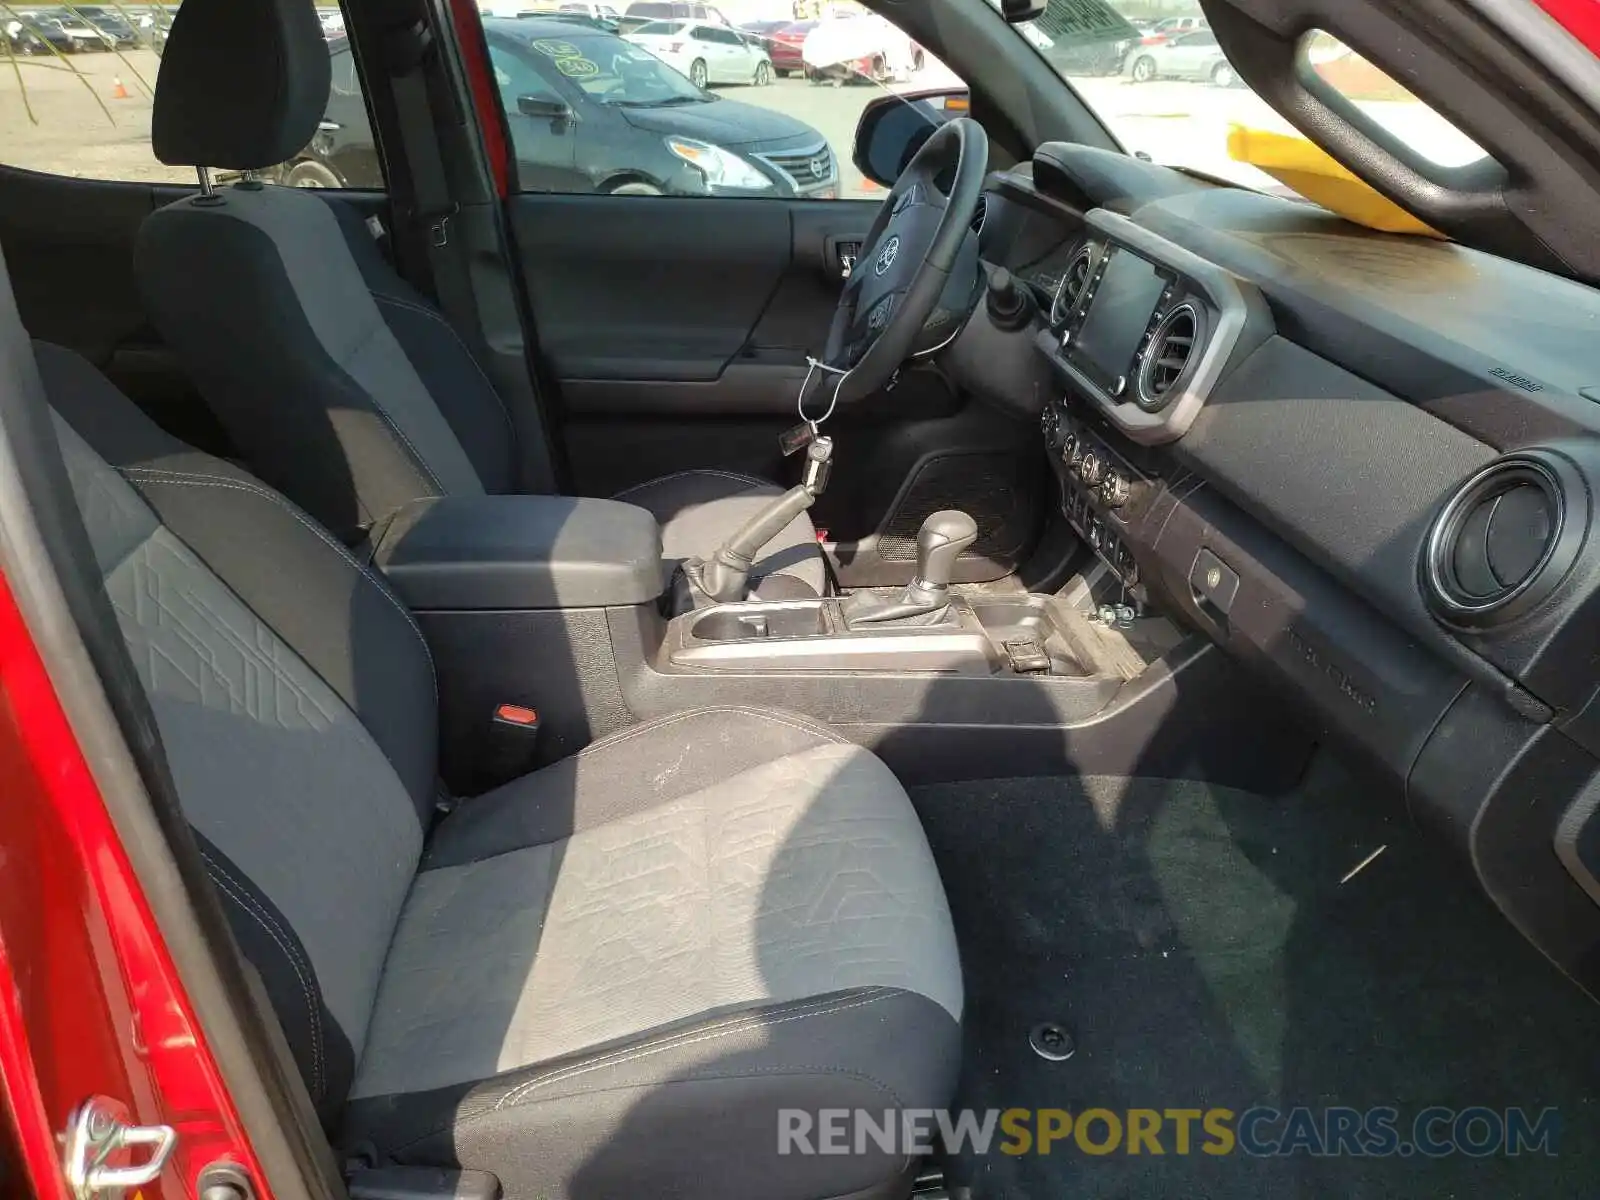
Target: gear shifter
[
  {"x": 722, "y": 578},
  {"x": 940, "y": 541}
]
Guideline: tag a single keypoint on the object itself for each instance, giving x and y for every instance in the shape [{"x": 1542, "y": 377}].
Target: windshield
[
  {"x": 606, "y": 68},
  {"x": 660, "y": 28},
  {"x": 1155, "y": 74}
]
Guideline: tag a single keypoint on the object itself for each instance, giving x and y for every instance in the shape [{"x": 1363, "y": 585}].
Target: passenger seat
[{"x": 604, "y": 979}]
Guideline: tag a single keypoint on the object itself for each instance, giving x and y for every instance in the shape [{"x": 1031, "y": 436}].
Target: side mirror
[
  {"x": 543, "y": 108},
  {"x": 893, "y": 128},
  {"x": 1017, "y": 11}
]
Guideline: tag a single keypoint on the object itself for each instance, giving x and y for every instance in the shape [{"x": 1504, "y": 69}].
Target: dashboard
[{"x": 1365, "y": 465}]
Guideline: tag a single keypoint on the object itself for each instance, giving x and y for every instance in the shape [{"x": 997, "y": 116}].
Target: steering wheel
[{"x": 891, "y": 307}]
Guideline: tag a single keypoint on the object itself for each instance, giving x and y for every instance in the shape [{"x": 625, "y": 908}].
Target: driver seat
[{"x": 340, "y": 383}]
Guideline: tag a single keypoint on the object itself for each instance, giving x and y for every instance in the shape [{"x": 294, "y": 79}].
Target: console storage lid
[{"x": 521, "y": 552}]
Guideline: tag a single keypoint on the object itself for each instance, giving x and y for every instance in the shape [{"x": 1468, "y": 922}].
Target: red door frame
[{"x": 90, "y": 1001}]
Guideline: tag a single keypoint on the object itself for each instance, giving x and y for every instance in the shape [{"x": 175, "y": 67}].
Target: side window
[
  {"x": 77, "y": 96},
  {"x": 346, "y": 81},
  {"x": 658, "y": 109}
]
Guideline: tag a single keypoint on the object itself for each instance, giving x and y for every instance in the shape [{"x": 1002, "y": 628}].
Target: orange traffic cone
[{"x": 118, "y": 92}]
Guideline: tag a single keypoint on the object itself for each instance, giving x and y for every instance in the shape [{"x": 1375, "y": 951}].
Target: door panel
[{"x": 629, "y": 290}]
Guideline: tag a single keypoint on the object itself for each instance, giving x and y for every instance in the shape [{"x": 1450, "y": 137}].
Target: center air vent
[
  {"x": 1073, "y": 283},
  {"x": 1165, "y": 361},
  {"x": 1505, "y": 540}
]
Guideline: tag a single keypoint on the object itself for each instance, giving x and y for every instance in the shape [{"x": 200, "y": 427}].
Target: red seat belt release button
[{"x": 513, "y": 743}]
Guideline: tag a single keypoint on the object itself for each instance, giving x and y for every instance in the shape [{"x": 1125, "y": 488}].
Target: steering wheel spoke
[{"x": 908, "y": 257}]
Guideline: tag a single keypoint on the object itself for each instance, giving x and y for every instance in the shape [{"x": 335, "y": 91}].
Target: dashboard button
[
  {"x": 1091, "y": 469},
  {"x": 1215, "y": 580},
  {"x": 1114, "y": 490},
  {"x": 1050, "y": 422}
]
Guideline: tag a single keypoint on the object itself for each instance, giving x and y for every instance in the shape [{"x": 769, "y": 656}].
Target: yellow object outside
[{"x": 1298, "y": 163}]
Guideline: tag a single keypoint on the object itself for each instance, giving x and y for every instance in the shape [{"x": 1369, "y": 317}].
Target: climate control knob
[
  {"x": 1114, "y": 490},
  {"x": 1090, "y": 469}
]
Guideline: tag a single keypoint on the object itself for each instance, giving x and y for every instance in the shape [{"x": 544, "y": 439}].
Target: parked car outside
[
  {"x": 582, "y": 19},
  {"x": 63, "y": 32},
  {"x": 591, "y": 112},
  {"x": 607, "y": 15},
  {"x": 848, "y": 47},
  {"x": 786, "y": 46},
  {"x": 110, "y": 24},
  {"x": 706, "y": 54},
  {"x": 1192, "y": 56},
  {"x": 644, "y": 11},
  {"x": 1173, "y": 27},
  {"x": 762, "y": 30}
]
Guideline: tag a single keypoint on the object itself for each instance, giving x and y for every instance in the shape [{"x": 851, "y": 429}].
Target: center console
[{"x": 562, "y": 606}]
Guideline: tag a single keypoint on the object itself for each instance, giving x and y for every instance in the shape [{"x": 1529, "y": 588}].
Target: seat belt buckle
[{"x": 513, "y": 743}]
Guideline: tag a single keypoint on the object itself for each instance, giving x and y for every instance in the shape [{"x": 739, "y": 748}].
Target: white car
[
  {"x": 847, "y": 46},
  {"x": 600, "y": 12},
  {"x": 707, "y": 54}
]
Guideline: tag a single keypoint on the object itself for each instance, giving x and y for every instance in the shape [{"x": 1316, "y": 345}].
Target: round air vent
[
  {"x": 1505, "y": 540},
  {"x": 1165, "y": 361},
  {"x": 1073, "y": 282},
  {"x": 980, "y": 214}
]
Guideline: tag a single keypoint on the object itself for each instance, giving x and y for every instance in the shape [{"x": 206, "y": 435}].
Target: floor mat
[{"x": 1208, "y": 948}]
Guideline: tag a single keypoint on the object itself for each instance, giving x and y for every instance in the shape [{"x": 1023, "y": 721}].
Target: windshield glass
[
  {"x": 606, "y": 68},
  {"x": 1153, "y": 72}
]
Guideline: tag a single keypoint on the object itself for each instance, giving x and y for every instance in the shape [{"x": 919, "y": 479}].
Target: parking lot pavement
[{"x": 72, "y": 133}]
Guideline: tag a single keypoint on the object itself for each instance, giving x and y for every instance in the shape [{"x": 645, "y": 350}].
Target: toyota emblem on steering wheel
[{"x": 886, "y": 256}]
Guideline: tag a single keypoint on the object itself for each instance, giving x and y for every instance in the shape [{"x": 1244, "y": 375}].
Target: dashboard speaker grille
[{"x": 1171, "y": 348}]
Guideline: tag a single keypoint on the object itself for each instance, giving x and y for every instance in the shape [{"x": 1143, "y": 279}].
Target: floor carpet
[{"x": 1208, "y": 948}]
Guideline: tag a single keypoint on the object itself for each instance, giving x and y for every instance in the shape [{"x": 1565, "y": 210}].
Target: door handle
[{"x": 841, "y": 254}]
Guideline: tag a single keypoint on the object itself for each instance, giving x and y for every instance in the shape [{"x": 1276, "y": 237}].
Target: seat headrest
[{"x": 242, "y": 85}]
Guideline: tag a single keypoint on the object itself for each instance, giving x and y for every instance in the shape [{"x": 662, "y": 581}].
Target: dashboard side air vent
[
  {"x": 1173, "y": 345},
  {"x": 1073, "y": 282},
  {"x": 1505, "y": 540}
]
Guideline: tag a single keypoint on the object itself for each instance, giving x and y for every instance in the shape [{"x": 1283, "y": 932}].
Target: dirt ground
[{"x": 81, "y": 123}]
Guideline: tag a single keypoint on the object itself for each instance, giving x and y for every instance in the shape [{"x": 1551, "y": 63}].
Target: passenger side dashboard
[{"x": 1371, "y": 477}]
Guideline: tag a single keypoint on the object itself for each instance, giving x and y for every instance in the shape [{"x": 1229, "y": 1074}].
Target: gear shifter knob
[{"x": 940, "y": 541}]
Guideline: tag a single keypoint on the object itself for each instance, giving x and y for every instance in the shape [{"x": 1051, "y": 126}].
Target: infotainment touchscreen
[{"x": 1118, "y": 316}]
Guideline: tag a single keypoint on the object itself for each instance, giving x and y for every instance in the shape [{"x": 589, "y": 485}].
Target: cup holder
[{"x": 745, "y": 623}]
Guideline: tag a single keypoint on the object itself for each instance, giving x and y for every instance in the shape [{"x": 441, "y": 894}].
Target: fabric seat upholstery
[
  {"x": 342, "y": 385},
  {"x": 607, "y": 977}
]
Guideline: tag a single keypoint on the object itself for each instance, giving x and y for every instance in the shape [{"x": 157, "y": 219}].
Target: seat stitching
[
  {"x": 649, "y": 483},
  {"x": 224, "y": 880},
  {"x": 220, "y": 481},
  {"x": 691, "y": 1076},
  {"x": 739, "y": 1024},
  {"x": 663, "y": 722},
  {"x": 714, "y": 1033},
  {"x": 377, "y": 405},
  {"x": 477, "y": 366}
]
